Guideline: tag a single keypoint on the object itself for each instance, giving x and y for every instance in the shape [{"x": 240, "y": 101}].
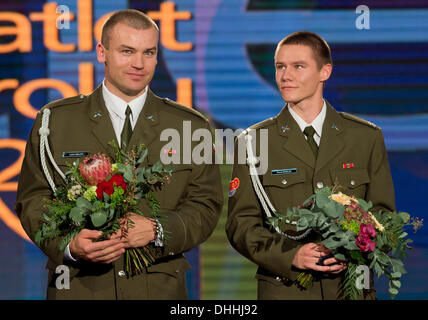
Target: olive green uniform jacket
[
  {"x": 345, "y": 139},
  {"x": 191, "y": 203}
]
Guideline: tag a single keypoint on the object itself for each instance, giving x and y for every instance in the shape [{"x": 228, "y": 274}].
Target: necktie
[
  {"x": 126, "y": 131},
  {"x": 309, "y": 132}
]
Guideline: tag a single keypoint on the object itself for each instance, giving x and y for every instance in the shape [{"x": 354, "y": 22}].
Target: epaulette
[
  {"x": 359, "y": 120},
  {"x": 184, "y": 108},
  {"x": 257, "y": 126},
  {"x": 65, "y": 101}
]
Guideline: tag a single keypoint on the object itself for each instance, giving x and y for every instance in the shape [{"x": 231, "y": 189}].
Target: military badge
[
  {"x": 234, "y": 184},
  {"x": 347, "y": 165}
]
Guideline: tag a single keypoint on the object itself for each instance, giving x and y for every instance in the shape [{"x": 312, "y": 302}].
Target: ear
[
  {"x": 101, "y": 54},
  {"x": 325, "y": 72}
]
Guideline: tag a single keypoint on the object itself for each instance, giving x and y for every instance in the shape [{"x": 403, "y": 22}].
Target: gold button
[
  {"x": 352, "y": 182},
  {"x": 284, "y": 181}
]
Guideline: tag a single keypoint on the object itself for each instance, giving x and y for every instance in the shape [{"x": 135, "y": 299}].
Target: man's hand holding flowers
[
  {"x": 309, "y": 255},
  {"x": 84, "y": 246}
]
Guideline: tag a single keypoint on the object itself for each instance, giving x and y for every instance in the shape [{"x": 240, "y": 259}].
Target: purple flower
[
  {"x": 364, "y": 239},
  {"x": 368, "y": 229}
]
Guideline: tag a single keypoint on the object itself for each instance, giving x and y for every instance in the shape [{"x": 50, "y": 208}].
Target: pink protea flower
[{"x": 95, "y": 169}]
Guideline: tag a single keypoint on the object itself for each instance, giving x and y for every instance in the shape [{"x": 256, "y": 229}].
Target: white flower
[
  {"x": 342, "y": 198},
  {"x": 377, "y": 224}
]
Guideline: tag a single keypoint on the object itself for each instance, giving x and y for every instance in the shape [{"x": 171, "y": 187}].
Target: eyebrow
[
  {"x": 123, "y": 46},
  {"x": 294, "y": 62}
]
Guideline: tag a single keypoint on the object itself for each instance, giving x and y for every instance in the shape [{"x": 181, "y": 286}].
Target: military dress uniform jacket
[
  {"x": 345, "y": 140},
  {"x": 191, "y": 202}
]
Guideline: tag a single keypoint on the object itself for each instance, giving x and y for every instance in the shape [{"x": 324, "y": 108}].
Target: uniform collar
[
  {"x": 117, "y": 106},
  {"x": 317, "y": 123}
]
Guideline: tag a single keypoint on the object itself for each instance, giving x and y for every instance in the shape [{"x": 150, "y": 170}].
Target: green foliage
[
  {"x": 327, "y": 217},
  {"x": 66, "y": 216}
]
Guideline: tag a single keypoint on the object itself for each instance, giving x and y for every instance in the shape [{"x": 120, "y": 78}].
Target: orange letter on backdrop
[
  {"x": 86, "y": 78},
  {"x": 21, "y": 97},
  {"x": 84, "y": 19},
  {"x": 50, "y": 31},
  {"x": 167, "y": 16},
  {"x": 22, "y": 30},
  {"x": 6, "y": 214},
  {"x": 184, "y": 92}
]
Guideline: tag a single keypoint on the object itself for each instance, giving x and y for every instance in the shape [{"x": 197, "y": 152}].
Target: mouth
[
  {"x": 135, "y": 76},
  {"x": 288, "y": 88}
]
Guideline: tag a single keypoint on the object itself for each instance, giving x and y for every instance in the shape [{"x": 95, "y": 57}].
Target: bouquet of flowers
[
  {"x": 101, "y": 195},
  {"x": 353, "y": 234}
]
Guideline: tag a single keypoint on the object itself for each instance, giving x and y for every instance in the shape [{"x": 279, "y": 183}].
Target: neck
[{"x": 308, "y": 110}]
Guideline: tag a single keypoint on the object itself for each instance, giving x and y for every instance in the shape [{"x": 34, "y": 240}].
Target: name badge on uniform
[
  {"x": 75, "y": 154},
  {"x": 277, "y": 172}
]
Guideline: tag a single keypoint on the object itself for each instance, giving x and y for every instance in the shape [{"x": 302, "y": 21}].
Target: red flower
[
  {"x": 364, "y": 239},
  {"x": 108, "y": 186}
]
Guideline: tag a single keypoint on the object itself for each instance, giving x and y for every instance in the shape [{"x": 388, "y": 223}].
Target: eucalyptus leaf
[
  {"x": 76, "y": 214},
  {"x": 333, "y": 209},
  {"x": 82, "y": 202},
  {"x": 393, "y": 291},
  {"x": 143, "y": 156},
  {"x": 364, "y": 204},
  {"x": 404, "y": 216},
  {"x": 302, "y": 224},
  {"x": 157, "y": 167},
  {"x": 98, "y": 218},
  {"x": 340, "y": 256}
]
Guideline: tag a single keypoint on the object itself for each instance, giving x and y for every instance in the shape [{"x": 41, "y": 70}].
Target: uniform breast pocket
[
  {"x": 284, "y": 190},
  {"x": 353, "y": 182},
  {"x": 175, "y": 191}
]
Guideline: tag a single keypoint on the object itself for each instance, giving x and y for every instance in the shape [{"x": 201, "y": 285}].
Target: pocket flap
[
  {"x": 350, "y": 178},
  {"x": 171, "y": 267},
  {"x": 283, "y": 180}
]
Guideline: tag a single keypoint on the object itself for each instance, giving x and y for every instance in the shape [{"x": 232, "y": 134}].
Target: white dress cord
[
  {"x": 44, "y": 146},
  {"x": 268, "y": 208}
]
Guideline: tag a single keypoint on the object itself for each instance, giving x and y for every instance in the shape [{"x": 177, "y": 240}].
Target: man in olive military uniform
[
  {"x": 124, "y": 109},
  {"x": 310, "y": 146}
]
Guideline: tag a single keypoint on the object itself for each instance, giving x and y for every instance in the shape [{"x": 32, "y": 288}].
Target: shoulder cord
[
  {"x": 261, "y": 193},
  {"x": 44, "y": 145}
]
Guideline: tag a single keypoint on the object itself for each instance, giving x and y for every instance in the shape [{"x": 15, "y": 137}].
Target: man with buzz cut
[
  {"x": 310, "y": 146},
  {"x": 123, "y": 109}
]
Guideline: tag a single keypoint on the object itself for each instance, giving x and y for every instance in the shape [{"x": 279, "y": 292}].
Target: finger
[
  {"x": 338, "y": 268},
  {"x": 90, "y": 234},
  {"x": 101, "y": 245},
  {"x": 331, "y": 261},
  {"x": 320, "y": 268},
  {"x": 110, "y": 257},
  {"x": 107, "y": 253}
]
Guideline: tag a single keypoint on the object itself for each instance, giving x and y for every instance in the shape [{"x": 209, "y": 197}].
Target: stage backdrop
[{"x": 217, "y": 57}]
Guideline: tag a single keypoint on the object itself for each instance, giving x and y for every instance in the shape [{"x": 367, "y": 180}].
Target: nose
[
  {"x": 287, "y": 74},
  {"x": 138, "y": 61}
]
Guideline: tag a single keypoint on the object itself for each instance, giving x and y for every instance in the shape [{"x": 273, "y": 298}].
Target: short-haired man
[
  {"x": 191, "y": 203},
  {"x": 309, "y": 145}
]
